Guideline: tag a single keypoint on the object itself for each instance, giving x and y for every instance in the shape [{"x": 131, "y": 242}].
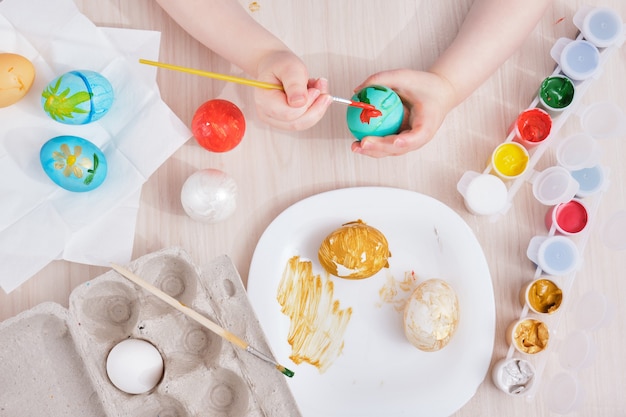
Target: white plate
[{"x": 379, "y": 372}]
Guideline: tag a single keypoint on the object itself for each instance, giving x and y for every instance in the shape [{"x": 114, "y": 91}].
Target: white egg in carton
[{"x": 53, "y": 360}]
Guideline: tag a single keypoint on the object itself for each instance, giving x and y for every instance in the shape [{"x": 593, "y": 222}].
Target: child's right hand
[{"x": 302, "y": 103}]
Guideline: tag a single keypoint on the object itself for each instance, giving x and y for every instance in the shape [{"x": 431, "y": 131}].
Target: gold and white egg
[{"x": 431, "y": 315}]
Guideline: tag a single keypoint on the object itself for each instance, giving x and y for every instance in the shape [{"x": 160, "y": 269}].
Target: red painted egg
[{"x": 218, "y": 125}]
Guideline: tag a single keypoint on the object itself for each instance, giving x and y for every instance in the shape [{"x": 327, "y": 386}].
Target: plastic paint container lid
[
  {"x": 614, "y": 231},
  {"x": 554, "y": 185},
  {"x": 603, "y": 120},
  {"x": 580, "y": 60},
  {"x": 577, "y": 350},
  {"x": 577, "y": 152},
  {"x": 563, "y": 393},
  {"x": 596, "y": 311},
  {"x": 590, "y": 180},
  {"x": 602, "y": 27}
]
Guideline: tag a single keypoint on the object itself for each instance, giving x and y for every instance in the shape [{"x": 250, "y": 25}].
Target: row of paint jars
[
  {"x": 565, "y": 189},
  {"x": 520, "y": 374},
  {"x": 558, "y": 257},
  {"x": 579, "y": 60}
]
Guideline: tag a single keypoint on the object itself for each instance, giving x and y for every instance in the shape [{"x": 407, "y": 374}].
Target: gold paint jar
[
  {"x": 528, "y": 335},
  {"x": 542, "y": 295}
]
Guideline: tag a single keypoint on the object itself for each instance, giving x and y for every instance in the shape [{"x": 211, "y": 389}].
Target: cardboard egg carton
[{"x": 53, "y": 360}]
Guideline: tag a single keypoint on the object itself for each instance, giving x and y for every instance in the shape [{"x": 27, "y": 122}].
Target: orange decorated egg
[{"x": 16, "y": 77}]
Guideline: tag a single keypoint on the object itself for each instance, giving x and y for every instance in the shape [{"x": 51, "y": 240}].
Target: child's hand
[
  {"x": 303, "y": 101},
  {"x": 427, "y": 99}
]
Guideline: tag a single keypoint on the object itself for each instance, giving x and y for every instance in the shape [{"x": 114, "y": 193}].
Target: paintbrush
[
  {"x": 214, "y": 327},
  {"x": 247, "y": 81}
]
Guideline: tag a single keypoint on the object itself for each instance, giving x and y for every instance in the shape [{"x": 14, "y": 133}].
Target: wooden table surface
[{"x": 274, "y": 169}]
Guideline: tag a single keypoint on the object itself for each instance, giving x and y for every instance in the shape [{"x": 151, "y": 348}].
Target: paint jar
[
  {"x": 603, "y": 120},
  {"x": 578, "y": 151},
  {"x": 590, "y": 180},
  {"x": 554, "y": 185},
  {"x": 569, "y": 218},
  {"x": 529, "y": 336},
  {"x": 513, "y": 376},
  {"x": 556, "y": 93},
  {"x": 532, "y": 127},
  {"x": 601, "y": 26},
  {"x": 509, "y": 160},
  {"x": 483, "y": 194},
  {"x": 543, "y": 296},
  {"x": 555, "y": 255},
  {"x": 578, "y": 59}
]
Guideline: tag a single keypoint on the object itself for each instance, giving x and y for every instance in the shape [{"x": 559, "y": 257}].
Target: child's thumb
[{"x": 296, "y": 90}]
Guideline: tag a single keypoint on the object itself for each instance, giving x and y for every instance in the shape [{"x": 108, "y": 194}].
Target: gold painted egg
[
  {"x": 16, "y": 77},
  {"x": 355, "y": 250},
  {"x": 431, "y": 315}
]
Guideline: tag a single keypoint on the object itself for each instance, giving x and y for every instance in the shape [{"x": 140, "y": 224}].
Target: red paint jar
[
  {"x": 568, "y": 218},
  {"x": 532, "y": 127}
]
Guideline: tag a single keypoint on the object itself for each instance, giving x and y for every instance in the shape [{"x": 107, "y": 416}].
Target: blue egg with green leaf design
[
  {"x": 385, "y": 121},
  {"x": 73, "y": 163},
  {"x": 77, "y": 97}
]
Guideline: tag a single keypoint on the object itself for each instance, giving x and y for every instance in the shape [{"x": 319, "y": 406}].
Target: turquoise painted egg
[
  {"x": 73, "y": 163},
  {"x": 385, "y": 121},
  {"x": 77, "y": 97}
]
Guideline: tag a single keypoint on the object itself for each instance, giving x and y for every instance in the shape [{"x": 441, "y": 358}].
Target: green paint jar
[{"x": 556, "y": 93}]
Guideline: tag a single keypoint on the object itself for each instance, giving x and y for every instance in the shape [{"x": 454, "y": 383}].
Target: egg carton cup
[
  {"x": 488, "y": 194},
  {"x": 53, "y": 360}
]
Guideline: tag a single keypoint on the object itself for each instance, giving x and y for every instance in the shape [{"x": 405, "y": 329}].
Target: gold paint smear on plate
[
  {"x": 318, "y": 323},
  {"x": 396, "y": 292},
  {"x": 254, "y": 6}
]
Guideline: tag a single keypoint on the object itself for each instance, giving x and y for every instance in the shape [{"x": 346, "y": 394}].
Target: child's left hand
[{"x": 427, "y": 99}]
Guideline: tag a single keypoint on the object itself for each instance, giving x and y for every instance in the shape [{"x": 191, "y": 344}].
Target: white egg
[
  {"x": 134, "y": 366},
  {"x": 209, "y": 195}
]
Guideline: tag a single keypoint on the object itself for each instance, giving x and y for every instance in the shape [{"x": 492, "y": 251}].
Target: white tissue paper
[{"x": 39, "y": 221}]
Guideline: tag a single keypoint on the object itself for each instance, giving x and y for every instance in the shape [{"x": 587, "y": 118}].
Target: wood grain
[{"x": 275, "y": 169}]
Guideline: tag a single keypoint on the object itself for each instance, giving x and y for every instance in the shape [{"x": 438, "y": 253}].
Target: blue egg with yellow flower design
[
  {"x": 77, "y": 97},
  {"x": 73, "y": 163},
  {"x": 387, "y": 118}
]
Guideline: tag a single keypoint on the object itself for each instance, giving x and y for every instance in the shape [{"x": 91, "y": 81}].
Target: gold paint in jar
[
  {"x": 543, "y": 296},
  {"x": 528, "y": 335}
]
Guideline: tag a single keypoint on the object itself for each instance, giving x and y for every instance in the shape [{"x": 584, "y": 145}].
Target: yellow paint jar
[{"x": 509, "y": 160}]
